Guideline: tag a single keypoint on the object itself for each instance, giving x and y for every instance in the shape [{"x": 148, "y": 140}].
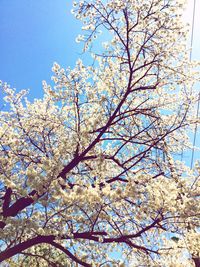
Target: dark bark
[
  {"x": 7, "y": 198},
  {"x": 19, "y": 205},
  {"x": 16, "y": 207},
  {"x": 69, "y": 254},
  {"x": 8, "y": 253},
  {"x": 196, "y": 262}
]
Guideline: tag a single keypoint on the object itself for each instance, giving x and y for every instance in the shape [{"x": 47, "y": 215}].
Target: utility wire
[
  {"x": 195, "y": 132},
  {"x": 192, "y": 33},
  {"x": 198, "y": 103},
  {"x": 190, "y": 57}
]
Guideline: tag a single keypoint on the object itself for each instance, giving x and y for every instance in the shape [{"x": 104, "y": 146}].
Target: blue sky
[{"x": 35, "y": 33}]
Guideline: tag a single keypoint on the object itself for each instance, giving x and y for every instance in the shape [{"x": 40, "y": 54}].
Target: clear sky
[
  {"x": 188, "y": 15},
  {"x": 35, "y": 33}
]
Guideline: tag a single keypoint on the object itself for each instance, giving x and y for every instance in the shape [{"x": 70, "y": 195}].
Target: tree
[{"x": 90, "y": 174}]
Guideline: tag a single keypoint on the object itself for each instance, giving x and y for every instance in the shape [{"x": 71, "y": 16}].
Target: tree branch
[{"x": 69, "y": 254}]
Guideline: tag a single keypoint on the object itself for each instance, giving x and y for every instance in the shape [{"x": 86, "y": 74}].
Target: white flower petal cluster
[{"x": 93, "y": 168}]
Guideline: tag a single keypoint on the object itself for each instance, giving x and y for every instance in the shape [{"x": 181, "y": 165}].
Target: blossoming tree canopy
[{"x": 90, "y": 174}]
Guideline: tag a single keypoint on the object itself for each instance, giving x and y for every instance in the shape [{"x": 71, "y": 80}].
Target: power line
[
  {"x": 192, "y": 33},
  {"x": 190, "y": 57},
  {"x": 198, "y": 103},
  {"x": 195, "y": 133}
]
